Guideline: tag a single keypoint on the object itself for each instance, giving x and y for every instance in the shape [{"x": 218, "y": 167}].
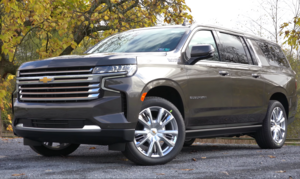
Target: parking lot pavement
[{"x": 198, "y": 161}]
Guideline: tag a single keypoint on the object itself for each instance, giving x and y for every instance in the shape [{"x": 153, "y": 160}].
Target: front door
[{"x": 208, "y": 87}]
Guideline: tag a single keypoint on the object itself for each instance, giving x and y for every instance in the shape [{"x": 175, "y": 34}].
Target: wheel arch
[
  {"x": 281, "y": 97},
  {"x": 168, "y": 90}
]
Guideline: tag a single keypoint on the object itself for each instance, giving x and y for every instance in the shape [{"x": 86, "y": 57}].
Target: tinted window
[
  {"x": 274, "y": 54},
  {"x": 232, "y": 49},
  {"x": 278, "y": 57},
  {"x": 203, "y": 37},
  {"x": 151, "y": 40},
  {"x": 260, "y": 53}
]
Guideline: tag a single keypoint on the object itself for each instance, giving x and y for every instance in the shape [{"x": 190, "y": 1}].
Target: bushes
[{"x": 6, "y": 89}]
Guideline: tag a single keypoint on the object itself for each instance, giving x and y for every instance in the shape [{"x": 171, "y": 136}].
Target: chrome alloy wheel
[
  {"x": 278, "y": 126},
  {"x": 156, "y": 133},
  {"x": 55, "y": 145}
]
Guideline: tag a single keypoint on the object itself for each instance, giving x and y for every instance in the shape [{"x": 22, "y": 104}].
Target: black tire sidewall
[
  {"x": 267, "y": 125},
  {"x": 189, "y": 142},
  {"x": 144, "y": 160}
]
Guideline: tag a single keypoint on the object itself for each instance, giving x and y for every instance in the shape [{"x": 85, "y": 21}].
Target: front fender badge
[{"x": 143, "y": 96}]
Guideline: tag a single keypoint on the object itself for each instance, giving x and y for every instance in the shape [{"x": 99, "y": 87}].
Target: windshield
[{"x": 152, "y": 40}]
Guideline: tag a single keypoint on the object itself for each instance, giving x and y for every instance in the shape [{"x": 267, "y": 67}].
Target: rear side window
[
  {"x": 232, "y": 49},
  {"x": 274, "y": 54}
]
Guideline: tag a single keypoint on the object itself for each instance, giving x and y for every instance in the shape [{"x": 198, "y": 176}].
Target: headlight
[{"x": 130, "y": 69}]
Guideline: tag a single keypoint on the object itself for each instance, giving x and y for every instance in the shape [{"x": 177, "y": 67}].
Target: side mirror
[{"x": 200, "y": 52}]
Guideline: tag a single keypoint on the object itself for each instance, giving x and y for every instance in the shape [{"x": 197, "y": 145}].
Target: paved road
[{"x": 212, "y": 161}]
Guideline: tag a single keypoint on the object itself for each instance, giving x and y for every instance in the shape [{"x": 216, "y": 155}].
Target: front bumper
[{"x": 103, "y": 121}]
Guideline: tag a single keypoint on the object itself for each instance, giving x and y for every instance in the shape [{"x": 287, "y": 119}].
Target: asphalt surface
[{"x": 197, "y": 161}]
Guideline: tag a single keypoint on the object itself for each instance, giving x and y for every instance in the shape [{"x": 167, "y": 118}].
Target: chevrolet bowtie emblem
[{"x": 46, "y": 79}]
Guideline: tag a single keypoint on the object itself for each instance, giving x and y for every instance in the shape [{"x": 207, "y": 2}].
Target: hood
[{"x": 91, "y": 60}]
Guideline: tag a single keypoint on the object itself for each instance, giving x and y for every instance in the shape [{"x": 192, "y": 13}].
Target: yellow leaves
[
  {"x": 106, "y": 18},
  {"x": 82, "y": 18},
  {"x": 73, "y": 45}
]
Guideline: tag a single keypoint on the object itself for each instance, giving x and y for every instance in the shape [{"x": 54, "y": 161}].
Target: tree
[
  {"x": 62, "y": 25},
  {"x": 267, "y": 24}
]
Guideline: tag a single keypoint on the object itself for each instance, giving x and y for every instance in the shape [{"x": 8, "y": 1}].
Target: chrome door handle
[
  {"x": 223, "y": 73},
  {"x": 255, "y": 75}
]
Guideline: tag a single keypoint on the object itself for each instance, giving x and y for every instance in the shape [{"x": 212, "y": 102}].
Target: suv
[{"x": 148, "y": 92}]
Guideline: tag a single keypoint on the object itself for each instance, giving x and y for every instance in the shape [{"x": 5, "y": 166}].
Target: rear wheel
[
  {"x": 189, "y": 142},
  {"x": 55, "y": 149},
  {"x": 159, "y": 135},
  {"x": 272, "y": 135}
]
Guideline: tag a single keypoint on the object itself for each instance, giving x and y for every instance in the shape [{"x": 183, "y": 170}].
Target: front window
[{"x": 149, "y": 40}]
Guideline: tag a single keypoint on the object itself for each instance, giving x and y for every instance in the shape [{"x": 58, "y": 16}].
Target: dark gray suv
[{"x": 149, "y": 92}]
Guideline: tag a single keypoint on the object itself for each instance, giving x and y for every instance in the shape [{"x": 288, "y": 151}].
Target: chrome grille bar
[
  {"x": 96, "y": 90},
  {"x": 89, "y": 97},
  {"x": 62, "y": 87},
  {"x": 56, "y": 72}
]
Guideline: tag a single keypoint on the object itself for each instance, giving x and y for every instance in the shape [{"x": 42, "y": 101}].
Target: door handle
[
  {"x": 255, "y": 75},
  {"x": 223, "y": 73}
]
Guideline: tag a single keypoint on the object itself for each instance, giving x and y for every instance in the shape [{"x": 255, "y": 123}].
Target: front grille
[
  {"x": 58, "y": 85},
  {"x": 59, "y": 92}
]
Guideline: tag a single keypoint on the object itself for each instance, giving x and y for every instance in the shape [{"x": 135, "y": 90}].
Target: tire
[
  {"x": 50, "y": 151},
  {"x": 265, "y": 137},
  {"x": 189, "y": 142},
  {"x": 158, "y": 137}
]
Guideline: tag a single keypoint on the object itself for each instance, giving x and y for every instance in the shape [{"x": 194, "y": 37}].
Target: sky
[{"x": 235, "y": 14}]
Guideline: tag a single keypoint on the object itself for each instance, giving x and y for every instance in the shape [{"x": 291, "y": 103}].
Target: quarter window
[
  {"x": 274, "y": 54},
  {"x": 203, "y": 37},
  {"x": 232, "y": 49}
]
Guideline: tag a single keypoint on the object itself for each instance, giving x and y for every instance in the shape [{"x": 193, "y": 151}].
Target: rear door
[
  {"x": 248, "y": 88},
  {"x": 209, "y": 90}
]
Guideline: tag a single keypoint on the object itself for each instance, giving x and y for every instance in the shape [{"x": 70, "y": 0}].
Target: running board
[{"x": 220, "y": 132}]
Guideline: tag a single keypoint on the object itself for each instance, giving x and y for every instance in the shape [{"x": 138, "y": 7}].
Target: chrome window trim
[
  {"x": 212, "y": 63},
  {"x": 86, "y": 128}
]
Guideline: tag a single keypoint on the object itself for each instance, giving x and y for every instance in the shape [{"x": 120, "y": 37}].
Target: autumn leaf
[
  {"x": 16, "y": 175},
  {"x": 92, "y": 148},
  {"x": 160, "y": 174},
  {"x": 225, "y": 172},
  {"x": 271, "y": 156},
  {"x": 281, "y": 171},
  {"x": 194, "y": 159},
  {"x": 203, "y": 157},
  {"x": 186, "y": 169}
]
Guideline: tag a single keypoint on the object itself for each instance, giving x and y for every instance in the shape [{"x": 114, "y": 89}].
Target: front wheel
[
  {"x": 159, "y": 135},
  {"x": 272, "y": 135},
  {"x": 55, "y": 149}
]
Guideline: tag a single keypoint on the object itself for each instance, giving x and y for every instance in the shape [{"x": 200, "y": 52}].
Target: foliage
[
  {"x": 293, "y": 130},
  {"x": 35, "y": 29},
  {"x": 6, "y": 89}
]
